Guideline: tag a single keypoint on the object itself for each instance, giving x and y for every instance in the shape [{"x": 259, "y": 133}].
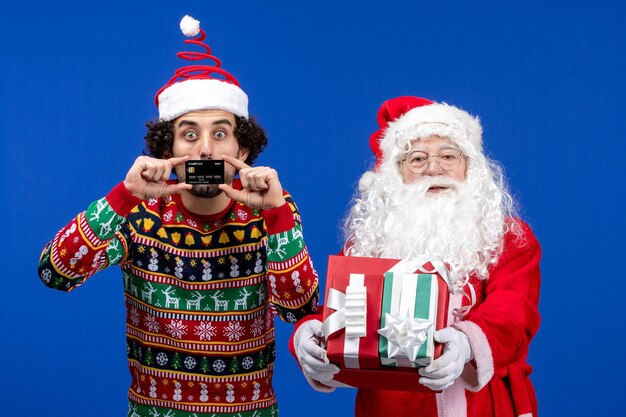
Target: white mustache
[{"x": 422, "y": 185}]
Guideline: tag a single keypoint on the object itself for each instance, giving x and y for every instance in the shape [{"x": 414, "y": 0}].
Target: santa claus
[{"x": 433, "y": 192}]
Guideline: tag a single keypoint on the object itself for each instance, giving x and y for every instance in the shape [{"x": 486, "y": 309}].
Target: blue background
[{"x": 546, "y": 78}]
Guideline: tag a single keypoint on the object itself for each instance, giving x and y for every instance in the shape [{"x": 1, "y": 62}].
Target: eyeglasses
[{"x": 417, "y": 161}]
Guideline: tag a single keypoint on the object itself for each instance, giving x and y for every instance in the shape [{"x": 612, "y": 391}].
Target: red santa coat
[{"x": 499, "y": 327}]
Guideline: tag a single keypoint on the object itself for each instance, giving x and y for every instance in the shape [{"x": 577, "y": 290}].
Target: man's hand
[
  {"x": 443, "y": 371},
  {"x": 147, "y": 178},
  {"x": 261, "y": 187},
  {"x": 312, "y": 357}
]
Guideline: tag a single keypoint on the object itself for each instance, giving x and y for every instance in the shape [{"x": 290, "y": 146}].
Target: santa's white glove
[
  {"x": 443, "y": 371},
  {"x": 312, "y": 356}
]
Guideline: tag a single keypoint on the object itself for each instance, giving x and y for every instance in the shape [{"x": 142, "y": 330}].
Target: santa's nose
[{"x": 432, "y": 166}]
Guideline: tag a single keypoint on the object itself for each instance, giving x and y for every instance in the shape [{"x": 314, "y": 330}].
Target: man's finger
[
  {"x": 171, "y": 189},
  {"x": 318, "y": 386},
  {"x": 437, "y": 384},
  {"x": 319, "y": 371},
  {"x": 158, "y": 172},
  {"x": 254, "y": 181},
  {"x": 313, "y": 365},
  {"x": 444, "y": 335},
  {"x": 166, "y": 172},
  {"x": 235, "y": 162},
  {"x": 439, "y": 373},
  {"x": 441, "y": 362},
  {"x": 178, "y": 160},
  {"x": 147, "y": 174},
  {"x": 243, "y": 176},
  {"x": 233, "y": 194},
  {"x": 316, "y": 352},
  {"x": 260, "y": 178}
]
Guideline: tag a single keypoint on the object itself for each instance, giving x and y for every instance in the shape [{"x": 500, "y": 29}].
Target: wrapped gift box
[{"x": 379, "y": 319}]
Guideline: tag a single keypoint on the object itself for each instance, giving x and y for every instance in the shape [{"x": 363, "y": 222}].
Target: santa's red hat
[
  {"x": 200, "y": 87},
  {"x": 406, "y": 118}
]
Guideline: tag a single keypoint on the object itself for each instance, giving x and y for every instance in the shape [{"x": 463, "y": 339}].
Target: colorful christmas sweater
[{"x": 201, "y": 293}]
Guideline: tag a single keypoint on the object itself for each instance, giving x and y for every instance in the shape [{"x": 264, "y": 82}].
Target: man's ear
[
  {"x": 243, "y": 154},
  {"x": 167, "y": 154}
]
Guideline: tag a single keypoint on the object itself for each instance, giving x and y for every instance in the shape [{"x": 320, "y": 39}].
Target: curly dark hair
[{"x": 249, "y": 134}]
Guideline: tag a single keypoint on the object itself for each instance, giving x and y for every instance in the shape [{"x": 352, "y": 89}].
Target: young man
[
  {"x": 205, "y": 266},
  {"x": 433, "y": 192}
]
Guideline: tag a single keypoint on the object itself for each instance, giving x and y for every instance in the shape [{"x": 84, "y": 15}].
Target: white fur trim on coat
[
  {"x": 211, "y": 94},
  {"x": 476, "y": 377},
  {"x": 451, "y": 402}
]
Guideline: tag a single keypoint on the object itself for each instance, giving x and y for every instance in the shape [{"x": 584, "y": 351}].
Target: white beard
[
  {"x": 441, "y": 225},
  {"x": 460, "y": 225}
]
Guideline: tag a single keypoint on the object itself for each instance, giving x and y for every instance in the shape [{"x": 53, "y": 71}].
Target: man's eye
[
  {"x": 417, "y": 159},
  {"x": 448, "y": 156},
  {"x": 190, "y": 135},
  {"x": 220, "y": 134}
]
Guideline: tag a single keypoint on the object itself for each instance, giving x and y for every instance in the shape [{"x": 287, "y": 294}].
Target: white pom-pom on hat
[{"x": 189, "y": 26}]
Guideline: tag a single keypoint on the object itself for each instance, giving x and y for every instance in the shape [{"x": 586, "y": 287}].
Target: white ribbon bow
[
  {"x": 405, "y": 335},
  {"x": 351, "y": 309},
  {"x": 351, "y": 314}
]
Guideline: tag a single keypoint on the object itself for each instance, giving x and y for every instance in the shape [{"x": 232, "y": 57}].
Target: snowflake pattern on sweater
[{"x": 201, "y": 293}]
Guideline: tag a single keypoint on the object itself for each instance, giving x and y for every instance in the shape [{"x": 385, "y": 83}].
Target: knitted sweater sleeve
[
  {"x": 292, "y": 280},
  {"x": 92, "y": 241}
]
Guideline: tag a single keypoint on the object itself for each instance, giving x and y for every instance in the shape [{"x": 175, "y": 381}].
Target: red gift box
[{"x": 364, "y": 369}]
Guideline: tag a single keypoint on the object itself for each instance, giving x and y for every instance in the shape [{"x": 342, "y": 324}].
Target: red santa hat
[
  {"x": 199, "y": 87},
  {"x": 406, "y": 118}
]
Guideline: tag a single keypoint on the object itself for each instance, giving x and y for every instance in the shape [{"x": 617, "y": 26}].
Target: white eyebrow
[
  {"x": 442, "y": 147},
  {"x": 449, "y": 146}
]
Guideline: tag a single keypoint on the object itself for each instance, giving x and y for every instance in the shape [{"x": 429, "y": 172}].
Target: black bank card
[{"x": 205, "y": 171}]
